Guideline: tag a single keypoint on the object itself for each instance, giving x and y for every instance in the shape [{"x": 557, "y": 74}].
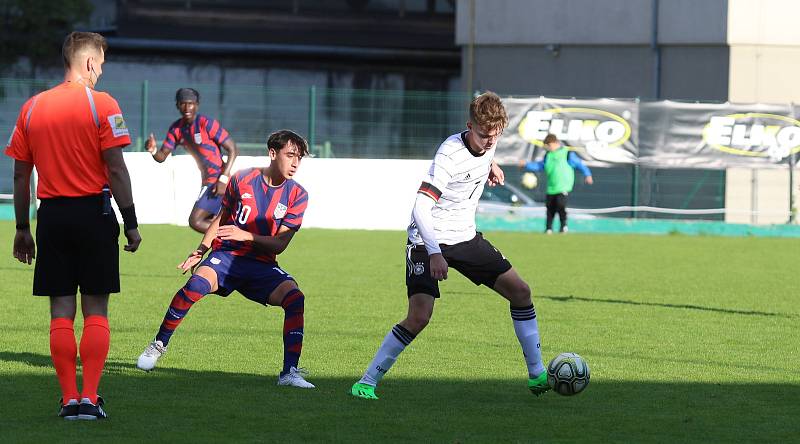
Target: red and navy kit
[
  {"x": 202, "y": 138},
  {"x": 254, "y": 206}
]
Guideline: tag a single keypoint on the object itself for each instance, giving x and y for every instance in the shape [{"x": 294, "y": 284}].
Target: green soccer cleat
[
  {"x": 539, "y": 385},
  {"x": 366, "y": 391}
]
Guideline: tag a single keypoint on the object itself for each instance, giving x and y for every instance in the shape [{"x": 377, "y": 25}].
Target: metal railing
[
  {"x": 349, "y": 123},
  {"x": 337, "y": 122}
]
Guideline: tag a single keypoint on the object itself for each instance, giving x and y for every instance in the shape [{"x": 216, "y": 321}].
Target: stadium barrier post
[
  {"x": 145, "y": 90},
  {"x": 635, "y": 190},
  {"x": 792, "y": 163},
  {"x": 312, "y": 114}
]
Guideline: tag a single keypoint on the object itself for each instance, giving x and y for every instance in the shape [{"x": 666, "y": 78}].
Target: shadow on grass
[
  {"x": 572, "y": 298},
  {"x": 180, "y": 405}
]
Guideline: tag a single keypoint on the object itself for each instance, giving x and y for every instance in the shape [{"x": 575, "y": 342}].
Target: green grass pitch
[{"x": 689, "y": 339}]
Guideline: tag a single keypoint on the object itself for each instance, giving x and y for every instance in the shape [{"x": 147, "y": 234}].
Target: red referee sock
[
  {"x": 94, "y": 349},
  {"x": 63, "y": 351}
]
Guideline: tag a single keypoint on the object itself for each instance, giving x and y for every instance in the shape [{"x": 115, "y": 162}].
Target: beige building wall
[
  {"x": 758, "y": 196},
  {"x": 764, "y": 39}
]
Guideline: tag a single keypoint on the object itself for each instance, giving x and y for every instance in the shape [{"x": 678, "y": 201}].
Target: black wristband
[
  {"x": 129, "y": 217},
  {"x": 23, "y": 226},
  {"x": 202, "y": 249}
]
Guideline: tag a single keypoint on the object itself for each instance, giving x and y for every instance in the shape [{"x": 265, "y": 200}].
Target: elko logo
[
  {"x": 601, "y": 133},
  {"x": 581, "y": 125},
  {"x": 754, "y": 134}
]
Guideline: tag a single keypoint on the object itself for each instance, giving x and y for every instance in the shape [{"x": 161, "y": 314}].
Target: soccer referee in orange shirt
[{"x": 74, "y": 137}]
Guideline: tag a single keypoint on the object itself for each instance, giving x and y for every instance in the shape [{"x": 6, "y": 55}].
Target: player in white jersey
[{"x": 442, "y": 234}]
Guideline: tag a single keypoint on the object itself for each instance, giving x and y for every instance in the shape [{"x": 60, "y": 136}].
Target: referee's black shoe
[
  {"x": 89, "y": 411},
  {"x": 69, "y": 411}
]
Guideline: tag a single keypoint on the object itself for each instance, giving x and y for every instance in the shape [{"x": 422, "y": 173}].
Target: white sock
[
  {"x": 391, "y": 347},
  {"x": 527, "y": 329}
]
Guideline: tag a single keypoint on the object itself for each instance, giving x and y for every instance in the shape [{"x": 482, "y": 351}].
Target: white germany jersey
[{"x": 457, "y": 176}]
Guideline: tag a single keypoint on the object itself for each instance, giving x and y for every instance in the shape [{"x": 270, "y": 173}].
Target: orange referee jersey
[{"x": 63, "y": 132}]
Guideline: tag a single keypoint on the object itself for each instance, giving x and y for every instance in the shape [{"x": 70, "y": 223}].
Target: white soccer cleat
[
  {"x": 295, "y": 378},
  {"x": 148, "y": 358}
]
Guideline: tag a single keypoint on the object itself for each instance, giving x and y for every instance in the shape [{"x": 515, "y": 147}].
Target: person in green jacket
[{"x": 559, "y": 165}]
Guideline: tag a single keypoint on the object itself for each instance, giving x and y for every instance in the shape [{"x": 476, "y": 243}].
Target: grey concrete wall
[
  {"x": 625, "y": 22},
  {"x": 693, "y": 22},
  {"x": 687, "y": 72},
  {"x": 603, "y": 71},
  {"x": 604, "y": 48},
  {"x": 547, "y": 21},
  {"x": 695, "y": 72}
]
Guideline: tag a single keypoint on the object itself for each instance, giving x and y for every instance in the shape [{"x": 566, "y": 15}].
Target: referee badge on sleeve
[{"x": 118, "y": 127}]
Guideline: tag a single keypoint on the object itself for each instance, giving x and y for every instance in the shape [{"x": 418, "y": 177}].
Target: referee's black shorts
[{"x": 76, "y": 248}]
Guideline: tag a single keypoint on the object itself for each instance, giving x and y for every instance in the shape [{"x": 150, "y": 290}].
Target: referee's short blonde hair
[{"x": 78, "y": 41}]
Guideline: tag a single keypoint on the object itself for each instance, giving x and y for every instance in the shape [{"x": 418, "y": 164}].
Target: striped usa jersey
[
  {"x": 202, "y": 139},
  {"x": 254, "y": 206},
  {"x": 455, "y": 182}
]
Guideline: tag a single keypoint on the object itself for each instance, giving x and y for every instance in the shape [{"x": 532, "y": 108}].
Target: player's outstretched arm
[
  {"x": 531, "y": 166},
  {"x": 159, "y": 155},
  {"x": 24, "y": 246},
  {"x": 575, "y": 162}
]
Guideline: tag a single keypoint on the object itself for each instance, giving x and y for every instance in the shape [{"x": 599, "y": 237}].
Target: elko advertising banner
[
  {"x": 655, "y": 134},
  {"x": 714, "y": 136},
  {"x": 601, "y": 131}
]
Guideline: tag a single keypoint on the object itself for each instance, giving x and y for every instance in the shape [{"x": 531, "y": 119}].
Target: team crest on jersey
[
  {"x": 419, "y": 268},
  {"x": 280, "y": 211},
  {"x": 198, "y": 138},
  {"x": 118, "y": 127}
]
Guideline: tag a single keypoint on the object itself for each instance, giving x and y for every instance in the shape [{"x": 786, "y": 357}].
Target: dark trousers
[{"x": 556, "y": 203}]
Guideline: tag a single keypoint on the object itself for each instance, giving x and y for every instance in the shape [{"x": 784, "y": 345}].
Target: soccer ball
[
  {"x": 529, "y": 180},
  {"x": 568, "y": 374}
]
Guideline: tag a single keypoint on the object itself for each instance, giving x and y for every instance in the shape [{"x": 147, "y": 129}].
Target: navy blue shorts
[
  {"x": 207, "y": 201},
  {"x": 254, "y": 279}
]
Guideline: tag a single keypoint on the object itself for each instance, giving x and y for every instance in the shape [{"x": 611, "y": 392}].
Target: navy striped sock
[
  {"x": 293, "y": 307},
  {"x": 194, "y": 290}
]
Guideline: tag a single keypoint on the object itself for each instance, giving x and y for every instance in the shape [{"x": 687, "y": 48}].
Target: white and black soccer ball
[
  {"x": 568, "y": 374},
  {"x": 529, "y": 180}
]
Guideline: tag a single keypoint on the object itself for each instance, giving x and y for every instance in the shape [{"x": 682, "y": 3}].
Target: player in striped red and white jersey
[
  {"x": 442, "y": 234},
  {"x": 262, "y": 210}
]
